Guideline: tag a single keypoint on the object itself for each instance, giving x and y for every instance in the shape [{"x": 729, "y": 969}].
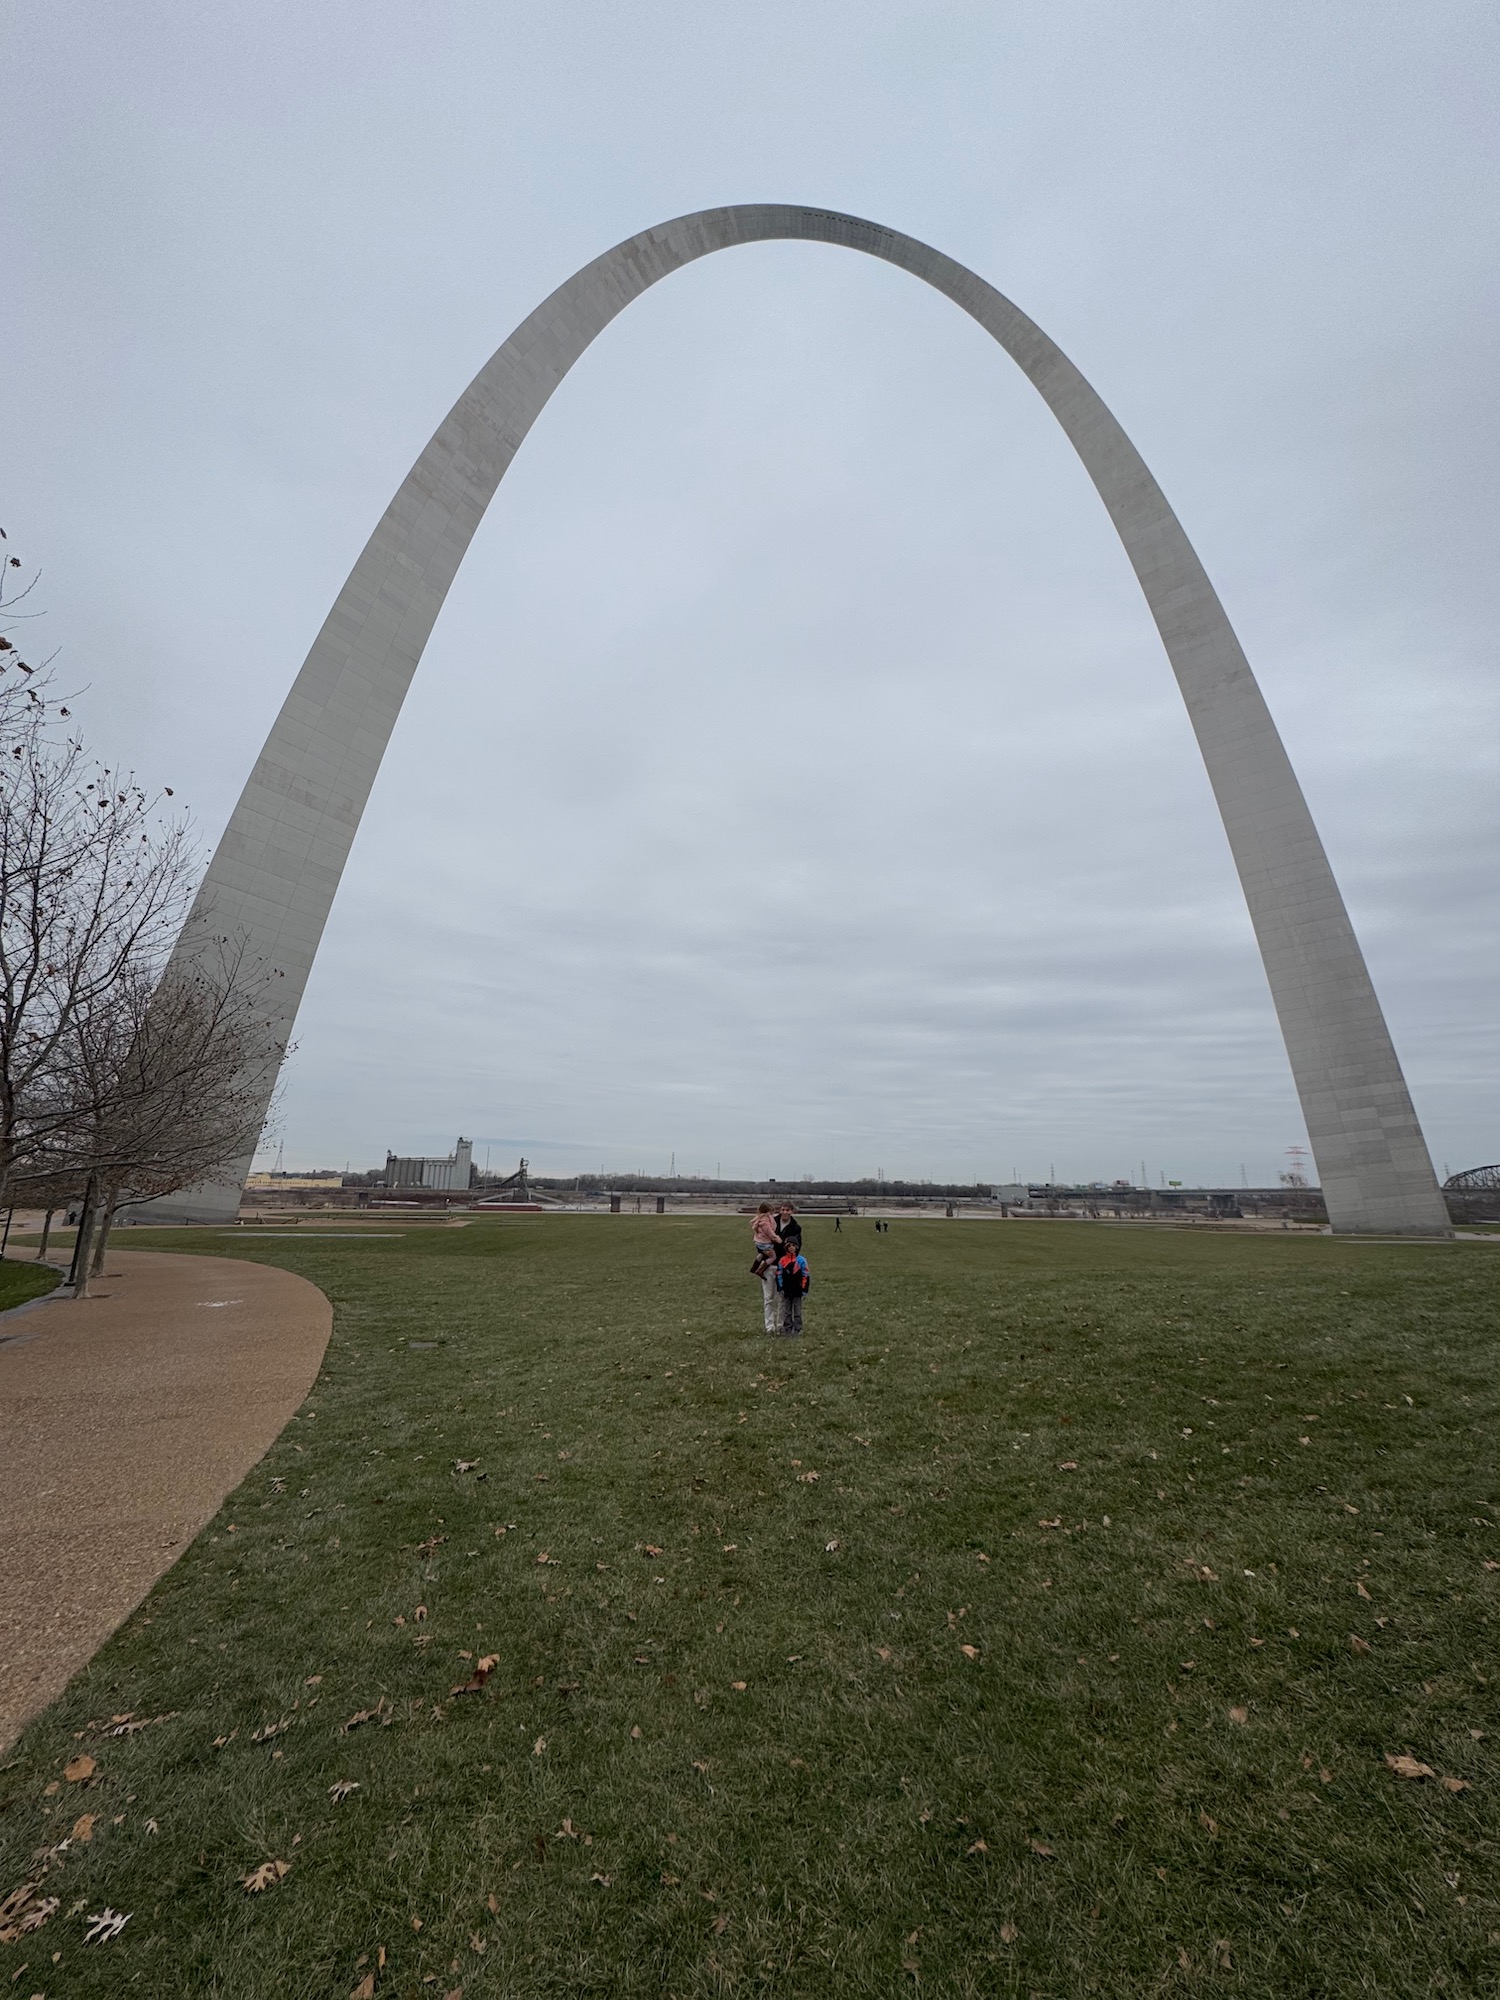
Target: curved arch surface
[{"x": 276, "y": 870}]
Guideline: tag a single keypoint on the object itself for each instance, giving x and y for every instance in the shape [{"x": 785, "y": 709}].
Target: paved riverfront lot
[{"x": 1044, "y": 1623}]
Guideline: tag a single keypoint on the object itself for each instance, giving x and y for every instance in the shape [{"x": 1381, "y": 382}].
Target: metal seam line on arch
[{"x": 274, "y": 874}]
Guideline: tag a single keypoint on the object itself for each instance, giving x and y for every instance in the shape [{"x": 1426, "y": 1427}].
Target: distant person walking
[
  {"x": 767, "y": 1250},
  {"x": 794, "y": 1281}
]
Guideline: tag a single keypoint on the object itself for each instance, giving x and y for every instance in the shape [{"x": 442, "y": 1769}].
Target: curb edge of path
[{"x": 59, "y": 1290}]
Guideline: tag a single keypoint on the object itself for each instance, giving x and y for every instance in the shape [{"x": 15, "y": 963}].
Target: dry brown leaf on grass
[
  {"x": 650, "y": 1549},
  {"x": 1008, "y": 1934},
  {"x": 1363, "y": 1593},
  {"x": 1041, "y": 1848},
  {"x": 1358, "y": 1645},
  {"x": 1455, "y": 1784},
  {"x": 979, "y": 1847},
  {"x": 1409, "y": 1767},
  {"x": 969, "y": 1652},
  {"x": 266, "y": 1876},
  {"x": 365, "y": 1989},
  {"x": 454, "y": 1993},
  {"x": 129, "y": 1725},
  {"x": 376, "y": 1714},
  {"x": 24, "y": 1911},
  {"x": 739, "y": 1686},
  {"x": 79, "y": 1768},
  {"x": 482, "y": 1671},
  {"x": 342, "y": 1789},
  {"x": 721, "y": 1924},
  {"x": 635, "y": 1732},
  {"x": 83, "y": 1827},
  {"x": 604, "y": 1881},
  {"x": 1239, "y": 1715},
  {"x": 539, "y": 1748},
  {"x": 464, "y": 1464}
]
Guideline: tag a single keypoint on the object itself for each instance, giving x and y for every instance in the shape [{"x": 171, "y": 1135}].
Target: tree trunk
[
  {"x": 101, "y": 1235},
  {"x": 78, "y": 1276},
  {"x": 41, "y": 1255}
]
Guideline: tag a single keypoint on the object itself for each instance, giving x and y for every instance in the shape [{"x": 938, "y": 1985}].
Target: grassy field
[
  {"x": 20, "y": 1282},
  {"x": 1041, "y": 1625}
]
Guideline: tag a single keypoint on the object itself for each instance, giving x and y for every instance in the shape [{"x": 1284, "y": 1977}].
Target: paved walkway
[{"x": 124, "y": 1421}]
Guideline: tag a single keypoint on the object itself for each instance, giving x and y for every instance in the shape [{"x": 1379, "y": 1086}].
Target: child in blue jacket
[{"x": 794, "y": 1282}]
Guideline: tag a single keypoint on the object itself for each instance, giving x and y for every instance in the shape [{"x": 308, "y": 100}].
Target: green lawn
[
  {"x": 1040, "y": 1625},
  {"x": 22, "y": 1281}
]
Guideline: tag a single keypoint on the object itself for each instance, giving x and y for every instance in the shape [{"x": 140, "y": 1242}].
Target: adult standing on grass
[{"x": 767, "y": 1250}]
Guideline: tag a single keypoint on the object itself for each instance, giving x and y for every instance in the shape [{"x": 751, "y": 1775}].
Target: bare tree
[
  {"x": 167, "y": 1078},
  {"x": 127, "y": 1071},
  {"x": 51, "y": 1190},
  {"x": 21, "y": 683},
  {"x": 94, "y": 885}
]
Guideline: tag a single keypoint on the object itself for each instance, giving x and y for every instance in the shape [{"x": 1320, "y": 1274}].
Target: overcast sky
[{"x": 794, "y": 782}]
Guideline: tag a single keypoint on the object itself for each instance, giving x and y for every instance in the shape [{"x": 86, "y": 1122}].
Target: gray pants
[
  {"x": 791, "y": 1316},
  {"x": 770, "y": 1298}
]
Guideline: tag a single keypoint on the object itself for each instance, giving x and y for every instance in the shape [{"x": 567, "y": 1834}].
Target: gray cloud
[{"x": 794, "y": 780}]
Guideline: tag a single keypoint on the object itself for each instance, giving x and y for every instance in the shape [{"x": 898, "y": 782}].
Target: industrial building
[{"x": 450, "y": 1175}]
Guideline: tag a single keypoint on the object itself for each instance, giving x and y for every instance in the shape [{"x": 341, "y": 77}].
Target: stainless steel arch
[{"x": 275, "y": 872}]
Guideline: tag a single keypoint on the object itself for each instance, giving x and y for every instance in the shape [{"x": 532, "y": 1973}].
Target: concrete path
[{"x": 124, "y": 1421}]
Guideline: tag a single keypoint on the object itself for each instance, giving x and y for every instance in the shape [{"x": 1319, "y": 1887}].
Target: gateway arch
[{"x": 274, "y": 875}]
